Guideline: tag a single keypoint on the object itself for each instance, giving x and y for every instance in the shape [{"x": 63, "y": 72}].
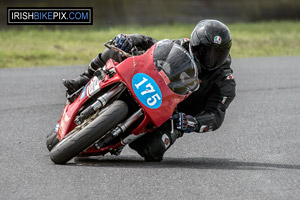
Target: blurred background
[
  {"x": 116, "y": 12},
  {"x": 259, "y": 28}
]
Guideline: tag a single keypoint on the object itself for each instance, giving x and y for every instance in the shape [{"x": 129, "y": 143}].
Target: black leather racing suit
[{"x": 208, "y": 104}]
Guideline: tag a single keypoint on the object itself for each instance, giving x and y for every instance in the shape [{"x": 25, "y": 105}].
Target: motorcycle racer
[{"x": 202, "y": 111}]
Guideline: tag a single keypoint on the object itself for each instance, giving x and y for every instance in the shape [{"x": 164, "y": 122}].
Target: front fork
[
  {"x": 99, "y": 103},
  {"x": 121, "y": 128}
]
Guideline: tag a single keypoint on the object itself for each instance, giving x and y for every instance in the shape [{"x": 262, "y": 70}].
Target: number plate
[
  {"x": 146, "y": 90},
  {"x": 93, "y": 87}
]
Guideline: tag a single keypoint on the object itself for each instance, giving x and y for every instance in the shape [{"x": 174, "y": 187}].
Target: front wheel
[
  {"x": 71, "y": 146},
  {"x": 51, "y": 140}
]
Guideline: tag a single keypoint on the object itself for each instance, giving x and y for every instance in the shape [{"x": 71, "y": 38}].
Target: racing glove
[
  {"x": 185, "y": 123},
  {"x": 123, "y": 42}
]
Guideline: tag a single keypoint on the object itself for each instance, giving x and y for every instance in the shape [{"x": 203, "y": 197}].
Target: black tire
[
  {"x": 76, "y": 143},
  {"x": 51, "y": 140}
]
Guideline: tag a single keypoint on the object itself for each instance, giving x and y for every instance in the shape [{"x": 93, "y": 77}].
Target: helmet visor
[{"x": 210, "y": 57}]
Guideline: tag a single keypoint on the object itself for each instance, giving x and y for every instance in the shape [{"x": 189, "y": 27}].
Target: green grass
[
  {"x": 37, "y": 46},
  {"x": 266, "y": 39}
]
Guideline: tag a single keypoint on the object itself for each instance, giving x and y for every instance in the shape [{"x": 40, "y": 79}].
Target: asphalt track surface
[{"x": 254, "y": 155}]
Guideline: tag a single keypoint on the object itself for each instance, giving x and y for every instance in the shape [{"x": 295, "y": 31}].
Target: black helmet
[{"x": 210, "y": 44}]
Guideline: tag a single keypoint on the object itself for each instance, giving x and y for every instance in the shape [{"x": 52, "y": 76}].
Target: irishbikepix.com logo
[{"x": 50, "y": 16}]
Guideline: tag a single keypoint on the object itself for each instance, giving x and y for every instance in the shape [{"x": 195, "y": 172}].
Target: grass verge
[{"x": 37, "y": 46}]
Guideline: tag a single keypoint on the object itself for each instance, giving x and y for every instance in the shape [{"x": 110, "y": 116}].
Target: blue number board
[{"x": 146, "y": 90}]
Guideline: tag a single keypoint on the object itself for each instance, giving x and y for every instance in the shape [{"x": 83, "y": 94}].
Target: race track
[{"x": 254, "y": 155}]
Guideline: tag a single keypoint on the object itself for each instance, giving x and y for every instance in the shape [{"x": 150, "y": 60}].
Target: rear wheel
[{"x": 81, "y": 140}]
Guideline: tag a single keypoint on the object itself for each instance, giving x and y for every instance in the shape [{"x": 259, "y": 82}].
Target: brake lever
[
  {"x": 110, "y": 45},
  {"x": 172, "y": 120},
  {"x": 136, "y": 52},
  {"x": 172, "y": 126}
]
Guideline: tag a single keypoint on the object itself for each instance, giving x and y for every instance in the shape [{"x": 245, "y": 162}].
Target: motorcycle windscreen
[{"x": 178, "y": 66}]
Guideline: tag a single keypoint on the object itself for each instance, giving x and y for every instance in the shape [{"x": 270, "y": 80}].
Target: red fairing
[
  {"x": 125, "y": 72},
  {"x": 144, "y": 64}
]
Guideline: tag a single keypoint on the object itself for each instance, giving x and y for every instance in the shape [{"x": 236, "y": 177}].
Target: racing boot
[
  {"x": 152, "y": 146},
  {"x": 75, "y": 84}
]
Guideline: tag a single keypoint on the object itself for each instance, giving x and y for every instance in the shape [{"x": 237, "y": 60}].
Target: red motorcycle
[{"x": 123, "y": 101}]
